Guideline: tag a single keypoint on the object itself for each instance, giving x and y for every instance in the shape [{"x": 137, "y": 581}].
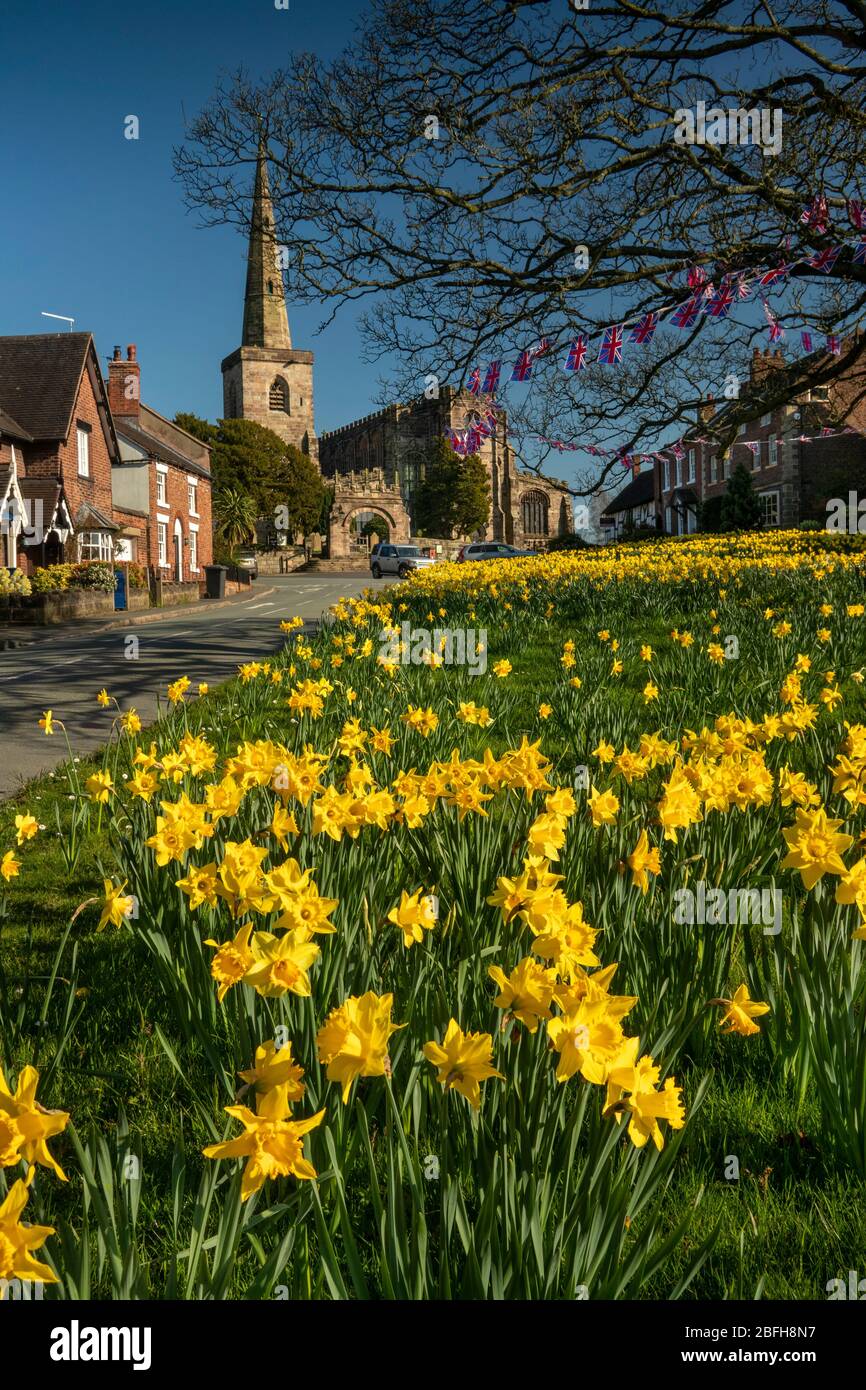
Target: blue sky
[{"x": 94, "y": 224}]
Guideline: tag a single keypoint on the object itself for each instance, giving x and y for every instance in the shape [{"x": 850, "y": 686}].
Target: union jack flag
[
  {"x": 825, "y": 431},
  {"x": 719, "y": 306},
  {"x": 458, "y": 442},
  {"x": 806, "y": 340},
  {"x": 833, "y": 344},
  {"x": 643, "y": 332},
  {"x": 677, "y": 450},
  {"x": 491, "y": 378},
  {"x": 490, "y": 417},
  {"x": 473, "y": 439},
  {"x": 860, "y": 252},
  {"x": 815, "y": 215},
  {"x": 857, "y": 214},
  {"x": 474, "y": 382},
  {"x": 576, "y": 359},
  {"x": 522, "y": 367},
  {"x": 824, "y": 260},
  {"x": 610, "y": 351},
  {"x": 776, "y": 272},
  {"x": 687, "y": 313},
  {"x": 776, "y": 330},
  {"x": 695, "y": 277},
  {"x": 744, "y": 287},
  {"x": 540, "y": 348},
  {"x": 591, "y": 449}
]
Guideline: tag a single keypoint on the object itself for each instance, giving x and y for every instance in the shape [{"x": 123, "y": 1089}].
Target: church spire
[{"x": 266, "y": 323}]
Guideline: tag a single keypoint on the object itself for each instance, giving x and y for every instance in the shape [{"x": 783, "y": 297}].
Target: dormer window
[{"x": 278, "y": 396}]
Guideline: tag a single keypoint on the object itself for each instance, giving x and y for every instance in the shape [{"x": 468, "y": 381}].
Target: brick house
[
  {"x": 634, "y": 506},
  {"x": 795, "y": 470},
  {"x": 52, "y": 391},
  {"x": 161, "y": 484},
  {"x": 13, "y": 515}
]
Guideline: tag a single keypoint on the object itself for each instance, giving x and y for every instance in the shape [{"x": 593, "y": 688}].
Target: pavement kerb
[{"x": 138, "y": 620}]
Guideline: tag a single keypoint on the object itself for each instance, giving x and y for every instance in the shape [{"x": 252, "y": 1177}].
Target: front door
[
  {"x": 120, "y": 588},
  {"x": 178, "y": 559}
]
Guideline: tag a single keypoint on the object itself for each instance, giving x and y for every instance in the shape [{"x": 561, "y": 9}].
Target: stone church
[
  {"x": 376, "y": 463},
  {"x": 266, "y": 379}
]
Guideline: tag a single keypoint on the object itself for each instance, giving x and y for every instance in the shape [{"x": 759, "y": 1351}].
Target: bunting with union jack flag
[
  {"x": 824, "y": 260},
  {"x": 576, "y": 359},
  {"x": 522, "y": 367},
  {"x": 856, "y": 214},
  {"x": 610, "y": 351},
  {"x": 806, "y": 340},
  {"x": 719, "y": 306},
  {"x": 815, "y": 215},
  {"x": 834, "y": 344},
  {"x": 644, "y": 331},
  {"x": 474, "y": 382},
  {"x": 686, "y": 315},
  {"x": 491, "y": 378},
  {"x": 859, "y": 256}
]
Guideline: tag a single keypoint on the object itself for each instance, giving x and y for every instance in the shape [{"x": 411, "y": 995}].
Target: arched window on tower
[
  {"x": 270, "y": 287},
  {"x": 533, "y": 510},
  {"x": 278, "y": 396}
]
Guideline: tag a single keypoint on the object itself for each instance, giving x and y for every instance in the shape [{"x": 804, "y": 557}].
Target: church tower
[{"x": 266, "y": 379}]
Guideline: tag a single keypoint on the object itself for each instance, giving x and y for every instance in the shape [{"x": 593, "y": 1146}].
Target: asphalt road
[{"x": 64, "y": 672}]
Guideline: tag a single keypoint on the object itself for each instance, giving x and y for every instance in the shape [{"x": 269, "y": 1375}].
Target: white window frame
[
  {"x": 192, "y": 495},
  {"x": 193, "y": 548},
  {"x": 161, "y": 485},
  {"x": 773, "y": 501},
  {"x": 82, "y": 439},
  {"x": 693, "y": 465},
  {"x": 767, "y": 419},
  {"x": 672, "y": 473},
  {"x": 99, "y": 541},
  {"x": 162, "y": 543},
  {"x": 773, "y": 452}
]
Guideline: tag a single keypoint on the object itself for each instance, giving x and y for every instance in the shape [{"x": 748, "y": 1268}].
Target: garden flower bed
[{"x": 504, "y": 940}]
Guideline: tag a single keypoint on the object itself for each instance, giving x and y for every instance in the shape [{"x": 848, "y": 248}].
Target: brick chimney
[
  {"x": 759, "y": 364},
  {"x": 706, "y": 409},
  {"x": 124, "y": 385}
]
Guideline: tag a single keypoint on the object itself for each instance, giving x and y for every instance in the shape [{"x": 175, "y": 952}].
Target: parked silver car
[
  {"x": 491, "y": 550},
  {"x": 398, "y": 559}
]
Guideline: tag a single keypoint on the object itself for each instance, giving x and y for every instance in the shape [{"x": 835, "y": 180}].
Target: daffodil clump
[{"x": 456, "y": 951}]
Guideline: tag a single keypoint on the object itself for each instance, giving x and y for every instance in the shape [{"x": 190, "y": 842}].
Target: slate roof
[
  {"x": 11, "y": 428},
  {"x": 635, "y": 494},
  {"x": 128, "y": 428},
  {"x": 39, "y": 378}
]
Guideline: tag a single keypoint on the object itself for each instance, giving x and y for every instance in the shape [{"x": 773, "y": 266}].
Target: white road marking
[{"x": 254, "y": 606}]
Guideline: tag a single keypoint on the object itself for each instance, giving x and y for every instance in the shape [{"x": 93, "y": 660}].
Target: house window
[
  {"x": 765, "y": 419},
  {"x": 161, "y": 500},
  {"x": 95, "y": 545},
  {"x": 727, "y": 462},
  {"x": 692, "y": 465},
  {"x": 191, "y": 496},
  {"x": 83, "y": 436},
  {"x": 278, "y": 396},
  {"x": 162, "y": 542},
  {"x": 684, "y": 471},
  {"x": 774, "y": 452},
  {"x": 672, "y": 473},
  {"x": 193, "y": 551},
  {"x": 769, "y": 508}
]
